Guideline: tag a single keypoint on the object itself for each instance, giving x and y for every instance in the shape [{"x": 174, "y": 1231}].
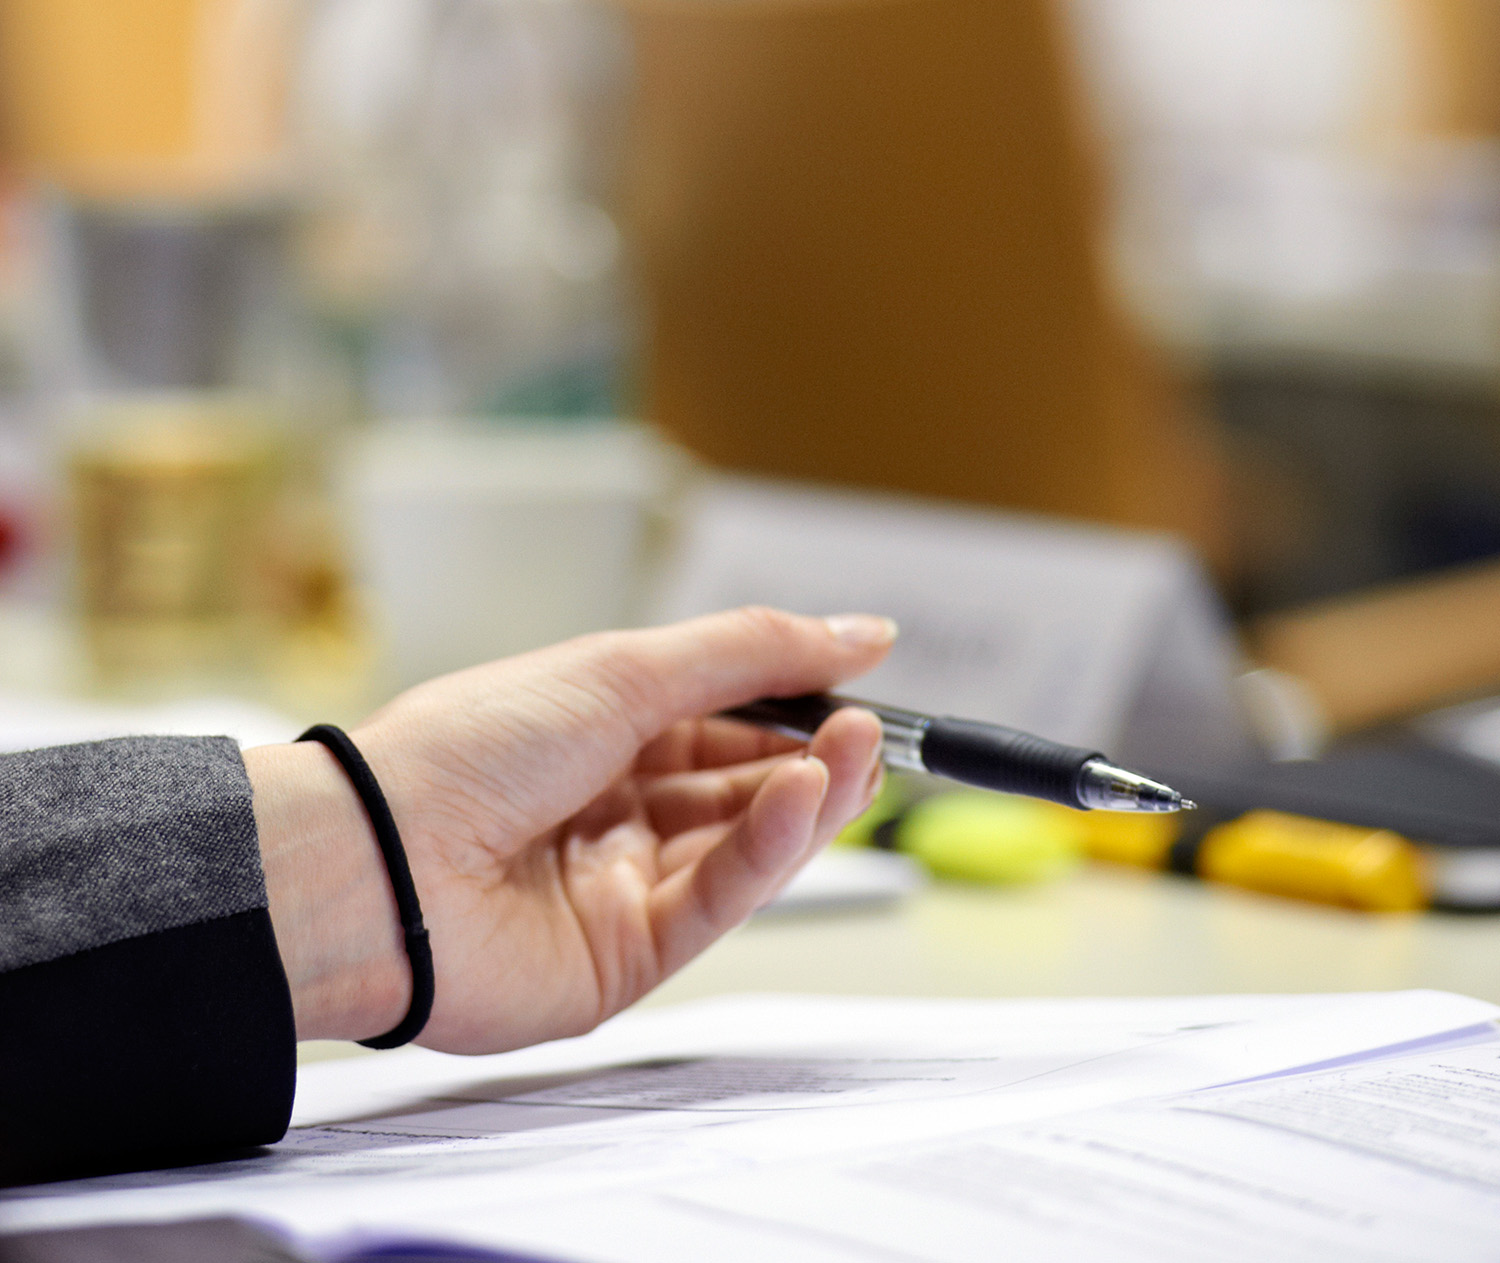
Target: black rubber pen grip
[{"x": 998, "y": 758}]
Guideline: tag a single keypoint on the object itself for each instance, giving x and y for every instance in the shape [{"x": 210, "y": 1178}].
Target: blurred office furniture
[
  {"x": 868, "y": 238},
  {"x": 159, "y": 98},
  {"x": 1457, "y": 46},
  {"x": 1386, "y": 652},
  {"x": 1305, "y": 201}
]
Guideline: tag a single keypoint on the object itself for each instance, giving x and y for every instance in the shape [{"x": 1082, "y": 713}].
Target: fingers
[
  {"x": 851, "y": 751},
  {"x": 665, "y": 674},
  {"x": 699, "y": 902},
  {"x": 800, "y": 804},
  {"x": 710, "y": 743},
  {"x": 689, "y": 800},
  {"x": 848, "y": 743}
]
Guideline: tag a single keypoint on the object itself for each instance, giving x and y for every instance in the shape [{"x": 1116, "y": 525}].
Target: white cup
[{"x": 478, "y": 539}]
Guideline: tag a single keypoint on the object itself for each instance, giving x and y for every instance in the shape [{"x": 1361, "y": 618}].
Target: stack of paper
[{"x": 821, "y": 1130}]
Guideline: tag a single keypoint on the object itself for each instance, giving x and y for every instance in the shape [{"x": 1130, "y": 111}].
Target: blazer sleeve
[{"x": 145, "y": 1018}]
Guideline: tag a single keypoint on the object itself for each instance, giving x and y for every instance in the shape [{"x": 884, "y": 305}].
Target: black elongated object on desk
[{"x": 1446, "y": 802}]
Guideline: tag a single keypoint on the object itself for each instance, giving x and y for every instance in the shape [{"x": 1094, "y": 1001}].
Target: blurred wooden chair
[
  {"x": 147, "y": 98},
  {"x": 869, "y": 237}
]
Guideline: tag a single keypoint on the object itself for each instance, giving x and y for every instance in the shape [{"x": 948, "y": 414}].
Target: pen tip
[{"x": 1187, "y": 804}]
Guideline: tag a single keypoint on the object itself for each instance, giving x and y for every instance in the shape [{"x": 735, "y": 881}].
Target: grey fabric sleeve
[
  {"x": 113, "y": 839},
  {"x": 145, "y": 1017}
]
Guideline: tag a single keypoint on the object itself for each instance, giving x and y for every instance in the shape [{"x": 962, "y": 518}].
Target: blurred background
[{"x": 347, "y": 341}]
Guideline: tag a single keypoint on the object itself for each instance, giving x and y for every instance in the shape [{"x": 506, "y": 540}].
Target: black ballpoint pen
[{"x": 985, "y": 755}]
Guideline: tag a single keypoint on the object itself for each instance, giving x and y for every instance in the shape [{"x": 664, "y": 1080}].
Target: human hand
[{"x": 576, "y": 828}]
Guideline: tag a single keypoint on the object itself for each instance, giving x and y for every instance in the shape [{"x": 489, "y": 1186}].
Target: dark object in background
[
  {"x": 170, "y": 297},
  {"x": 1348, "y": 479},
  {"x": 1447, "y": 803},
  {"x": 221, "y": 1240},
  {"x": 190, "y": 1241},
  {"x": 178, "y": 296}
]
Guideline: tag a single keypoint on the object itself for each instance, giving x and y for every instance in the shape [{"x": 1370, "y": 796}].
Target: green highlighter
[{"x": 993, "y": 839}]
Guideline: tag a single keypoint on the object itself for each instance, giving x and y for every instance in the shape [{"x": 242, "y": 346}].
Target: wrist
[{"x": 329, "y": 896}]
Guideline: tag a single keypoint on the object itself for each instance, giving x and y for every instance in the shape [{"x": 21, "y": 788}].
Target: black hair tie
[{"x": 418, "y": 949}]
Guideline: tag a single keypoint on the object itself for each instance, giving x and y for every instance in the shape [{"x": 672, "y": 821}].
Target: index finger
[{"x": 663, "y": 674}]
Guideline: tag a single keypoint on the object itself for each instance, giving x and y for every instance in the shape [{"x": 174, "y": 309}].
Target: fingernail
[
  {"x": 862, "y": 631},
  {"x": 823, "y": 768}
]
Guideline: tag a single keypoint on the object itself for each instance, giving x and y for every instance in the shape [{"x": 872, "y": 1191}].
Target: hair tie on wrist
[{"x": 418, "y": 949}]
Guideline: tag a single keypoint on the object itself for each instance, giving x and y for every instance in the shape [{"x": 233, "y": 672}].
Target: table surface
[{"x": 1103, "y": 931}]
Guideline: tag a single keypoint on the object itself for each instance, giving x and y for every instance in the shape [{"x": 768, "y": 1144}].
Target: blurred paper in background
[{"x": 1108, "y": 640}]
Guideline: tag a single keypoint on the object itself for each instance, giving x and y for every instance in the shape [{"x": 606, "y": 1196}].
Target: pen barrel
[
  {"x": 798, "y": 717},
  {"x": 992, "y": 757}
]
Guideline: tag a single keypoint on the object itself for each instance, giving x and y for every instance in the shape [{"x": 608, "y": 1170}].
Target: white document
[
  {"x": 1099, "y": 637},
  {"x": 1395, "y": 1160},
  {"x": 660, "y": 1101}
]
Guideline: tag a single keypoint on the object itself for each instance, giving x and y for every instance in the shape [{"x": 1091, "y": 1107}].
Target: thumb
[{"x": 709, "y": 664}]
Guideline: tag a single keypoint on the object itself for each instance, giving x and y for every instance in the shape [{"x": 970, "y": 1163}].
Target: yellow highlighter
[
  {"x": 1275, "y": 853},
  {"x": 1371, "y": 869}
]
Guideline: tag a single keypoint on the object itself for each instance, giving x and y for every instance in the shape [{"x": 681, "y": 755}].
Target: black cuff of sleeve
[{"x": 170, "y": 1047}]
